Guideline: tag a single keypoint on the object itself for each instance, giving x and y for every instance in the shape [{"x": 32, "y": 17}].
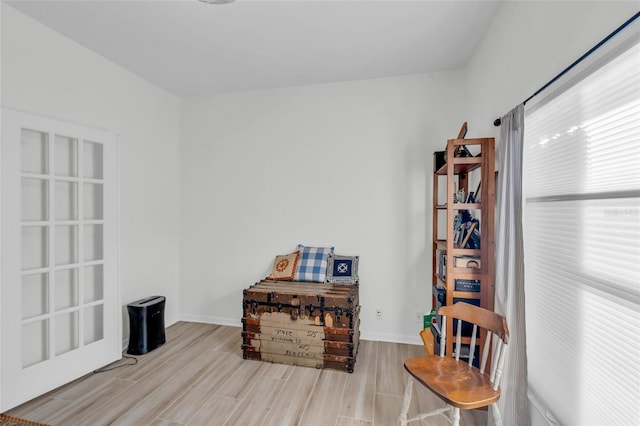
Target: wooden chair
[{"x": 460, "y": 384}]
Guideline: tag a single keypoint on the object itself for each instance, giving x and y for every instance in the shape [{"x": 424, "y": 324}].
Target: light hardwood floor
[{"x": 199, "y": 378}]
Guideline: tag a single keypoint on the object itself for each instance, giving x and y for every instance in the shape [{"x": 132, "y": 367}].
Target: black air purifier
[{"x": 146, "y": 325}]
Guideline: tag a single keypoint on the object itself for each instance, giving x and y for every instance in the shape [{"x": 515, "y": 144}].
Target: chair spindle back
[{"x": 497, "y": 335}]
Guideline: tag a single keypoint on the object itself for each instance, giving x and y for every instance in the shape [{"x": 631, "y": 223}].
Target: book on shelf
[
  {"x": 467, "y": 234},
  {"x": 474, "y": 239},
  {"x": 462, "y": 151},
  {"x": 467, "y": 262},
  {"x": 442, "y": 264},
  {"x": 472, "y": 286},
  {"x": 477, "y": 194},
  {"x": 436, "y": 327},
  {"x": 470, "y": 198}
]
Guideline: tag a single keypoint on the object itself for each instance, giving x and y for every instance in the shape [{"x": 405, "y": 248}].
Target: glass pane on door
[
  {"x": 35, "y": 295},
  {"x": 66, "y": 200},
  {"x": 66, "y": 156},
  {"x": 35, "y": 247},
  {"x": 35, "y": 342},
  {"x": 35, "y": 152},
  {"x": 66, "y": 292},
  {"x": 93, "y": 245},
  {"x": 66, "y": 244},
  {"x": 93, "y": 324},
  {"x": 93, "y": 283},
  {"x": 92, "y": 160},
  {"x": 35, "y": 199},
  {"x": 66, "y": 332},
  {"x": 93, "y": 208}
]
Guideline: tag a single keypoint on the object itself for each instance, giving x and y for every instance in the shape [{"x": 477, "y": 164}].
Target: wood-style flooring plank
[
  {"x": 40, "y": 410},
  {"x": 185, "y": 407},
  {"x": 199, "y": 378},
  {"x": 424, "y": 401},
  {"x": 390, "y": 368},
  {"x": 278, "y": 371},
  {"x": 228, "y": 339},
  {"x": 156, "y": 402},
  {"x": 151, "y": 360},
  {"x": 348, "y": 421},
  {"x": 222, "y": 367},
  {"x": 142, "y": 413},
  {"x": 160, "y": 422},
  {"x": 242, "y": 380},
  {"x": 90, "y": 384},
  {"x": 358, "y": 399},
  {"x": 216, "y": 410},
  {"x": 92, "y": 398},
  {"x": 387, "y": 409},
  {"x": 254, "y": 409},
  {"x": 124, "y": 402},
  {"x": 325, "y": 400},
  {"x": 289, "y": 405}
]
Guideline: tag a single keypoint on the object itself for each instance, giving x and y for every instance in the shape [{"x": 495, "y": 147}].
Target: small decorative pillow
[
  {"x": 312, "y": 265},
  {"x": 342, "y": 269},
  {"x": 284, "y": 267}
]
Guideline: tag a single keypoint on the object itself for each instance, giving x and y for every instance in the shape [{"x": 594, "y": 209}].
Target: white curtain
[{"x": 509, "y": 286}]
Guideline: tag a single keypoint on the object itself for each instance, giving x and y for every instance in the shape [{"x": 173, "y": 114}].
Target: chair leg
[
  {"x": 406, "y": 402},
  {"x": 455, "y": 416},
  {"x": 497, "y": 417}
]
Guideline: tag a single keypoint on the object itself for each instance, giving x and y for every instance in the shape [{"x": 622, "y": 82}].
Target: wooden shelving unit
[{"x": 464, "y": 173}]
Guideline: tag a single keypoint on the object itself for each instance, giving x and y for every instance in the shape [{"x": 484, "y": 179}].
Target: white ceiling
[{"x": 190, "y": 48}]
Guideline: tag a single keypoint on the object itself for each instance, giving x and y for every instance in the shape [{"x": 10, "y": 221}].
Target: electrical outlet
[
  {"x": 379, "y": 313},
  {"x": 419, "y": 317}
]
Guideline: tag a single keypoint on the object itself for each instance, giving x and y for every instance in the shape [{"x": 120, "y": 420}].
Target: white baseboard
[
  {"x": 391, "y": 337},
  {"x": 211, "y": 320},
  {"x": 364, "y": 335}
]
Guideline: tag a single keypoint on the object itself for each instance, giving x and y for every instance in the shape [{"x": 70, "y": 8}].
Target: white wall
[
  {"x": 527, "y": 45},
  {"x": 47, "y": 74},
  {"x": 346, "y": 164},
  {"x": 365, "y": 148},
  {"x": 530, "y": 42}
]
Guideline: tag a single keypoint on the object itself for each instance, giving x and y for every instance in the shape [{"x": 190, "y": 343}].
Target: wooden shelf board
[
  {"x": 441, "y": 244},
  {"x": 457, "y": 251},
  {"x": 467, "y": 273},
  {"x": 461, "y": 165},
  {"x": 466, "y": 206},
  {"x": 467, "y": 294}
]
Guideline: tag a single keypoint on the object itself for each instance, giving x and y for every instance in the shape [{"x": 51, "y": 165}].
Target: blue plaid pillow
[{"x": 312, "y": 264}]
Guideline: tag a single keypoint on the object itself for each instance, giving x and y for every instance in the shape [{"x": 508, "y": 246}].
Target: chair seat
[{"x": 455, "y": 382}]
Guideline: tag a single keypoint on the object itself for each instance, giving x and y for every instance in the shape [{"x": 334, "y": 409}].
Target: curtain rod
[{"x": 498, "y": 121}]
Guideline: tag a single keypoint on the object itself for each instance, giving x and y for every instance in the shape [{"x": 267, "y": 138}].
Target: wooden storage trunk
[{"x": 301, "y": 323}]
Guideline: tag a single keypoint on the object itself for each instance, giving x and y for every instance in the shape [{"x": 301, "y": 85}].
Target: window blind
[{"x": 582, "y": 245}]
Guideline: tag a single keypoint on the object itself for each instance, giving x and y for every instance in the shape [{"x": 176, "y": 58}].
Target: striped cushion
[{"x": 312, "y": 264}]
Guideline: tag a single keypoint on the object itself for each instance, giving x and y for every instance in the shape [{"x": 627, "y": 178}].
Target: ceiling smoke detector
[{"x": 216, "y": 1}]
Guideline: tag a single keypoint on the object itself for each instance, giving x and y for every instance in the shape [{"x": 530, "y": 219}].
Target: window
[{"x": 582, "y": 244}]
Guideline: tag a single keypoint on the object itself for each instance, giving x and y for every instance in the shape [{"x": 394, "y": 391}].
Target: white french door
[{"x": 59, "y": 292}]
